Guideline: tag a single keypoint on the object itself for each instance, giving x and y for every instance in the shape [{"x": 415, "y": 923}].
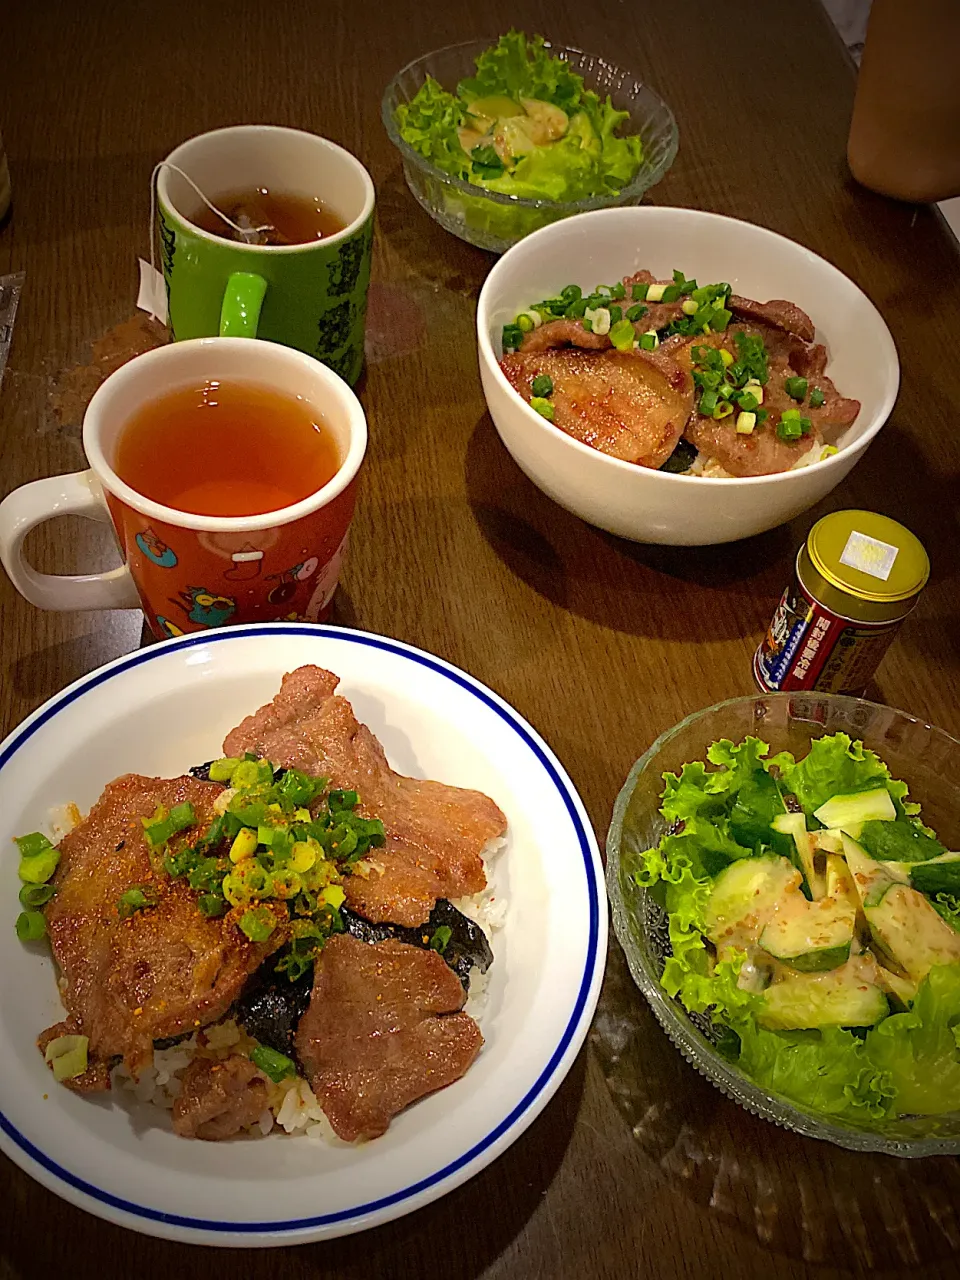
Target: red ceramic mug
[{"x": 189, "y": 572}]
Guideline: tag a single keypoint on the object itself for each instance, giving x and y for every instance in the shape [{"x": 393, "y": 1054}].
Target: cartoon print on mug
[
  {"x": 326, "y": 584},
  {"x": 155, "y": 549},
  {"x": 206, "y": 608},
  {"x": 290, "y": 579},
  {"x": 167, "y": 628}
]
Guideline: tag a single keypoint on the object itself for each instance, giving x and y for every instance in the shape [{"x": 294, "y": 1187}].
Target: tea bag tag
[{"x": 152, "y": 297}]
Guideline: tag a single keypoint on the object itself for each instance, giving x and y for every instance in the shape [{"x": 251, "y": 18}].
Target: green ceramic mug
[{"x": 309, "y": 296}]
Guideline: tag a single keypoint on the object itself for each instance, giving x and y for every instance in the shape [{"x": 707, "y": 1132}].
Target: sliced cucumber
[
  {"x": 810, "y": 936},
  {"x": 795, "y": 825},
  {"x": 856, "y": 807},
  {"x": 829, "y": 840},
  {"x": 908, "y": 929},
  {"x": 744, "y": 897},
  {"x": 844, "y": 997},
  {"x": 871, "y": 878}
]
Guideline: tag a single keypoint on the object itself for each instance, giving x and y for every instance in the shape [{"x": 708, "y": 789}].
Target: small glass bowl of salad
[
  {"x": 785, "y": 883},
  {"x": 498, "y": 141}
]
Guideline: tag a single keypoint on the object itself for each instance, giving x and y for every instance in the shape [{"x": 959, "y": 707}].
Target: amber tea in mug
[
  {"x": 269, "y": 218},
  {"x": 221, "y": 448}
]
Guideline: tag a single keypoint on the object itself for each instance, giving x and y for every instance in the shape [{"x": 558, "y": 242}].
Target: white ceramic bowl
[
  {"x": 656, "y": 506},
  {"x": 166, "y": 707}
]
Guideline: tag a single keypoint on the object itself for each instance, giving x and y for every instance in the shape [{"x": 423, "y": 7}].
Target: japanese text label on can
[{"x": 857, "y": 577}]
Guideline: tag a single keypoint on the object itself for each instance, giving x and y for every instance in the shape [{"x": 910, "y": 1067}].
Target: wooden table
[{"x": 638, "y": 1167}]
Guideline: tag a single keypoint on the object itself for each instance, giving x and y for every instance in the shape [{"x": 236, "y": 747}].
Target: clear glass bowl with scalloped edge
[
  {"x": 925, "y": 757},
  {"x": 489, "y": 219}
]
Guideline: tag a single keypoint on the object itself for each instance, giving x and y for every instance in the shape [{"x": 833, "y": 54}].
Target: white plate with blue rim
[{"x": 165, "y": 708}]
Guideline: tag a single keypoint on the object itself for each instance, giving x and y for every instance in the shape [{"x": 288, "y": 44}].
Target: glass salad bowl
[
  {"x": 924, "y": 757},
  {"x": 495, "y": 221}
]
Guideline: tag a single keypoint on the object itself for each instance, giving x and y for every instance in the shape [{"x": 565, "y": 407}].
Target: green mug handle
[{"x": 242, "y": 300}]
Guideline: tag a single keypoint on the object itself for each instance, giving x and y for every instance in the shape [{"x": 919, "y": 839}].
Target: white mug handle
[{"x": 78, "y": 494}]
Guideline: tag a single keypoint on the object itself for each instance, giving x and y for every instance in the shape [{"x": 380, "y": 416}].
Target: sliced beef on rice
[
  {"x": 164, "y": 970},
  {"x": 218, "y": 1099},
  {"x": 631, "y": 405},
  {"x": 271, "y": 1006},
  {"x": 436, "y": 834},
  {"x": 383, "y": 1029},
  {"x": 762, "y": 452}
]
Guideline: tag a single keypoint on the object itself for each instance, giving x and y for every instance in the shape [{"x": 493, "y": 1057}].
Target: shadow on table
[
  {"x": 456, "y": 1238},
  {"x": 424, "y": 248},
  {"x": 629, "y": 586},
  {"x": 798, "y": 1197}
]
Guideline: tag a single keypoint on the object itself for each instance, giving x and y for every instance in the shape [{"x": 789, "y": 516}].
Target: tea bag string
[{"x": 246, "y": 234}]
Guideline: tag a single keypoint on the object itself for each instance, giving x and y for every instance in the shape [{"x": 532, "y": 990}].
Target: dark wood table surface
[{"x": 638, "y": 1167}]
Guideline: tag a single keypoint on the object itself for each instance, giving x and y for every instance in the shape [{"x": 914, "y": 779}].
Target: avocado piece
[
  {"x": 910, "y": 931},
  {"x": 495, "y": 107},
  {"x": 844, "y": 997},
  {"x": 795, "y": 825},
  {"x": 582, "y": 128},
  {"x": 743, "y": 899},
  {"x": 845, "y": 811},
  {"x": 871, "y": 878},
  {"x": 939, "y": 875},
  {"x": 810, "y": 936},
  {"x": 551, "y": 121}
]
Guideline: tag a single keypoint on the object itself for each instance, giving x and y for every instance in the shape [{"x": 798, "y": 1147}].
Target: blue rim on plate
[{"x": 576, "y": 1026}]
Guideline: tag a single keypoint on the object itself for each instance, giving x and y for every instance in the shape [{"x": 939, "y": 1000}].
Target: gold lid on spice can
[{"x": 864, "y": 565}]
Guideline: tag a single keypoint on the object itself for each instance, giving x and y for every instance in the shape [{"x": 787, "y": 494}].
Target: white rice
[{"x": 292, "y": 1105}]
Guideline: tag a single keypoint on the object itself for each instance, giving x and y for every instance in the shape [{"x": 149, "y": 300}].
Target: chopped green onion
[
  {"x": 35, "y": 895},
  {"x": 649, "y": 340},
  {"x": 817, "y": 398},
  {"x": 690, "y": 308},
  {"x": 31, "y": 926},
  {"x": 133, "y": 900},
  {"x": 441, "y": 936},
  {"x": 748, "y": 402},
  {"x": 571, "y": 293},
  {"x": 222, "y": 770},
  {"x": 212, "y": 904},
  {"x": 708, "y": 402},
  {"x": 39, "y": 867},
  {"x": 640, "y": 292},
  {"x": 789, "y": 428},
  {"x": 790, "y": 415},
  {"x": 655, "y": 292},
  {"x": 622, "y": 335},
  {"x": 524, "y": 323},
  {"x": 745, "y": 423},
  {"x": 723, "y": 410},
  {"x": 796, "y": 388},
  {"x": 720, "y": 319},
  {"x": 543, "y": 407},
  {"x": 67, "y": 1055},
  {"x": 827, "y": 451},
  {"x": 618, "y": 291},
  {"x": 181, "y": 816},
  {"x": 599, "y": 319},
  {"x": 671, "y": 293},
  {"x": 32, "y": 844},
  {"x": 726, "y": 356},
  {"x": 275, "y": 1065},
  {"x": 726, "y": 391},
  {"x": 512, "y": 337},
  {"x": 258, "y": 923},
  {"x": 244, "y": 845},
  {"x": 542, "y": 385},
  {"x": 635, "y": 312},
  {"x": 806, "y": 426}
]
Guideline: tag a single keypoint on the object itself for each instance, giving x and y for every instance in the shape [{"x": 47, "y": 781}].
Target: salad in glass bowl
[
  {"x": 792, "y": 912},
  {"x": 499, "y": 141}
]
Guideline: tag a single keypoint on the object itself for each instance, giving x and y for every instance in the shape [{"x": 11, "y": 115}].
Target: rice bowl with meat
[{"x": 250, "y": 947}]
